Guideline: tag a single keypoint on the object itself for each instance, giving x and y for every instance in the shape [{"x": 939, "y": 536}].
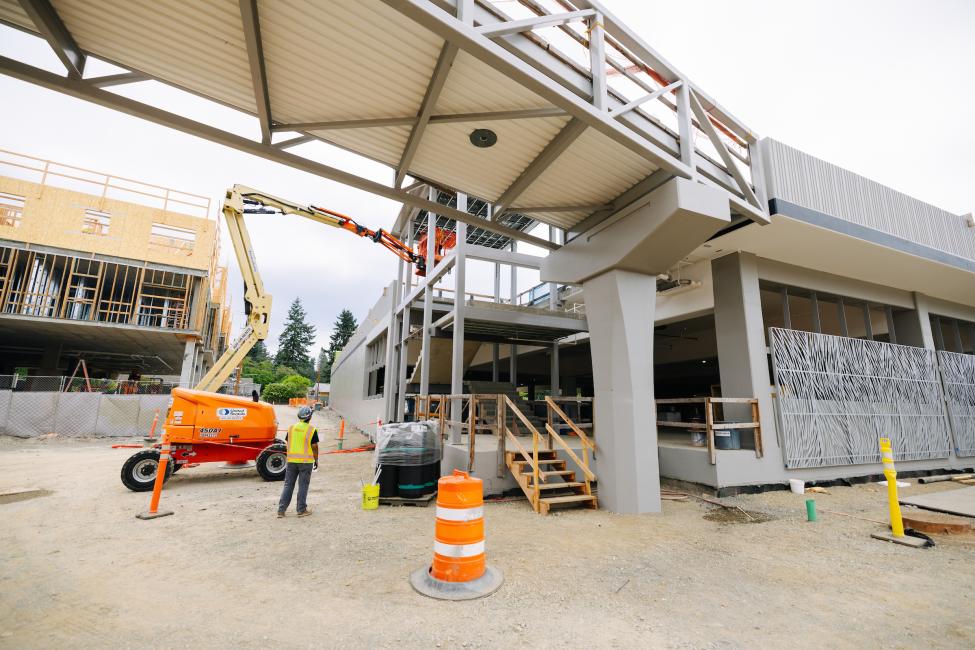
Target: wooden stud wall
[{"x": 53, "y": 216}]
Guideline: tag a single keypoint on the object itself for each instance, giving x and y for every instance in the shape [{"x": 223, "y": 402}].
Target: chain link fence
[{"x": 36, "y": 406}]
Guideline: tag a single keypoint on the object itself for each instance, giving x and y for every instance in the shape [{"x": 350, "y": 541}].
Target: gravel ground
[{"x": 77, "y": 569}]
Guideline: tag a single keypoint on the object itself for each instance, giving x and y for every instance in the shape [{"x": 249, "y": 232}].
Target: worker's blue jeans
[{"x": 300, "y": 472}]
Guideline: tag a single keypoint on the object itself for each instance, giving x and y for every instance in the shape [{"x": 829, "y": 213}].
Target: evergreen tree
[
  {"x": 341, "y": 333},
  {"x": 322, "y": 361},
  {"x": 259, "y": 352},
  {"x": 295, "y": 340}
]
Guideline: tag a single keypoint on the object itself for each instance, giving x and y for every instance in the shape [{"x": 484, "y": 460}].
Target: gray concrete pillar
[
  {"x": 739, "y": 328},
  {"x": 914, "y": 327},
  {"x": 554, "y": 388},
  {"x": 620, "y": 310},
  {"x": 189, "y": 364}
]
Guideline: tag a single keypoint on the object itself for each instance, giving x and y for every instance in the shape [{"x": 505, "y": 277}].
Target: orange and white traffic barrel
[{"x": 459, "y": 570}]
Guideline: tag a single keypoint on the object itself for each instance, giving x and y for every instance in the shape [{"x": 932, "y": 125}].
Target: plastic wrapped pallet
[{"x": 408, "y": 444}]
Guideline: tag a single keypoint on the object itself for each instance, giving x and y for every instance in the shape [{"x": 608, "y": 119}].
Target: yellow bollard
[
  {"x": 896, "y": 534},
  {"x": 887, "y": 453}
]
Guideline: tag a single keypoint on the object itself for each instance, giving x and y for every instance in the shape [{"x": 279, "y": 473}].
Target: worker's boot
[{"x": 304, "y": 513}]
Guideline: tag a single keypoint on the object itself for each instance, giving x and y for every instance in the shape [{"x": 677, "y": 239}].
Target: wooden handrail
[
  {"x": 521, "y": 448},
  {"x": 521, "y": 416},
  {"x": 584, "y": 466},
  {"x": 575, "y": 429}
]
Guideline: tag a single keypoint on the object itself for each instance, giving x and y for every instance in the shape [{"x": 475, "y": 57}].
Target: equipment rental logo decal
[{"x": 231, "y": 413}]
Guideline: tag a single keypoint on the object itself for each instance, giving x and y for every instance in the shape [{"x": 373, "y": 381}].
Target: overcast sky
[{"x": 884, "y": 88}]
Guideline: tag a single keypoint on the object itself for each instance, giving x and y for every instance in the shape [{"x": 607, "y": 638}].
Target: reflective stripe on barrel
[{"x": 458, "y": 549}]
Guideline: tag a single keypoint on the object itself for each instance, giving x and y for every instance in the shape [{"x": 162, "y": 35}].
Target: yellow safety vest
[{"x": 299, "y": 443}]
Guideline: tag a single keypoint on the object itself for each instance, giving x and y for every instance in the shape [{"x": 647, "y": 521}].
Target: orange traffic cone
[{"x": 459, "y": 570}]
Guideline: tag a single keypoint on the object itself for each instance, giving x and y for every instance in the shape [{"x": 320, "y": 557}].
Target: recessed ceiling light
[{"x": 483, "y": 138}]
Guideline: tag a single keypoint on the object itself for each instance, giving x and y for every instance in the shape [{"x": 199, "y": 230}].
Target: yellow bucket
[{"x": 370, "y": 496}]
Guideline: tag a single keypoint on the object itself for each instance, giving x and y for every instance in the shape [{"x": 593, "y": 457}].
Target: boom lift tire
[
  {"x": 272, "y": 462},
  {"x": 139, "y": 471}
]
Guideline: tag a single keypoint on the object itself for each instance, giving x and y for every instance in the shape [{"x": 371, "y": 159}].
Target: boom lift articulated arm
[{"x": 241, "y": 200}]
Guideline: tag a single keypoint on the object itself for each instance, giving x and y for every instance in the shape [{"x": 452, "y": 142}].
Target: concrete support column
[
  {"x": 189, "y": 364},
  {"x": 554, "y": 370},
  {"x": 620, "y": 309},
  {"x": 457, "y": 348},
  {"x": 741, "y": 341},
  {"x": 390, "y": 375},
  {"x": 914, "y": 327}
]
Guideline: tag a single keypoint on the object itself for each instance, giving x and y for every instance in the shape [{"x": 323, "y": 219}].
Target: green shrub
[
  {"x": 276, "y": 393},
  {"x": 298, "y": 383}
]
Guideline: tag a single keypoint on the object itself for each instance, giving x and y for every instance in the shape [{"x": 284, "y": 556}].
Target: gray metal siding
[{"x": 818, "y": 185}]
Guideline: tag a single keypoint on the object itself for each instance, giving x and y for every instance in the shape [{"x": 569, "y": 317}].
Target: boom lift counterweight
[{"x": 205, "y": 426}]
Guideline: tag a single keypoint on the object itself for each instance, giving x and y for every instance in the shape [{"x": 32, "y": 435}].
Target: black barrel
[
  {"x": 431, "y": 474},
  {"x": 389, "y": 481},
  {"x": 411, "y": 481}
]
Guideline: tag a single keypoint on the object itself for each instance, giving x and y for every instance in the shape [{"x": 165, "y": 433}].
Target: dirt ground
[{"x": 77, "y": 569}]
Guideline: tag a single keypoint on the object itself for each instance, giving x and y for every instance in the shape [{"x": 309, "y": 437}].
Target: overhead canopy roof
[{"x": 406, "y": 82}]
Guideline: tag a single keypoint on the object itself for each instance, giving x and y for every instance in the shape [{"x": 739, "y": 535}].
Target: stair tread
[
  {"x": 569, "y": 498},
  {"x": 551, "y": 472},
  {"x": 559, "y": 486},
  {"x": 546, "y": 461}
]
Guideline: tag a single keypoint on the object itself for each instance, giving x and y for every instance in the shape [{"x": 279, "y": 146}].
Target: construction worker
[{"x": 302, "y": 446}]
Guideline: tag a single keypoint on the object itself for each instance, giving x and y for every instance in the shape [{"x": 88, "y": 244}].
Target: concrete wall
[{"x": 348, "y": 384}]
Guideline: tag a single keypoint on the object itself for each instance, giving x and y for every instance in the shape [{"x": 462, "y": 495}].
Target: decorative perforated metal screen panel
[
  {"x": 836, "y": 396},
  {"x": 958, "y": 376}
]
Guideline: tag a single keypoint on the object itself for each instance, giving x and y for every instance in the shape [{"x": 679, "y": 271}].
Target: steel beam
[
  {"x": 626, "y": 108},
  {"x": 642, "y": 51},
  {"x": 448, "y": 118},
  {"x": 558, "y": 208},
  {"x": 294, "y": 142},
  {"x": 49, "y": 24},
  {"x": 535, "y": 22},
  {"x": 437, "y": 80},
  {"x": 457, "y": 342},
  {"x": 597, "y": 62},
  {"x": 255, "y": 55},
  {"x": 83, "y": 90},
  {"x": 117, "y": 79},
  {"x": 484, "y": 49},
  {"x": 555, "y": 148},
  {"x": 704, "y": 121}
]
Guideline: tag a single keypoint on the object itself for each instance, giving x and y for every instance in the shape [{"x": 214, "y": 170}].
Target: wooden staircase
[
  {"x": 541, "y": 474},
  {"x": 557, "y": 486}
]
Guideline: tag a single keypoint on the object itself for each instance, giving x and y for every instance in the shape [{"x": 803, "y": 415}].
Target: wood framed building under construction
[{"x": 81, "y": 250}]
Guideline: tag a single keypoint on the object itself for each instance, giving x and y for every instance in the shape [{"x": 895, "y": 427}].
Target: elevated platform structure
[{"x": 528, "y": 112}]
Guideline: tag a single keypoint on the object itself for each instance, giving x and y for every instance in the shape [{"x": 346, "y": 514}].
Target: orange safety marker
[
  {"x": 153, "y": 512},
  {"x": 459, "y": 570},
  {"x": 152, "y": 429},
  {"x": 341, "y": 432}
]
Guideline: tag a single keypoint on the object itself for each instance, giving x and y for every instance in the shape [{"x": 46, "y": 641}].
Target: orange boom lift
[{"x": 203, "y": 426}]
